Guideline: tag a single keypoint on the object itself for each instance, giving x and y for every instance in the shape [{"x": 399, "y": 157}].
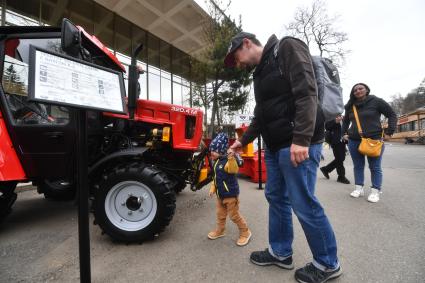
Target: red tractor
[{"x": 137, "y": 162}]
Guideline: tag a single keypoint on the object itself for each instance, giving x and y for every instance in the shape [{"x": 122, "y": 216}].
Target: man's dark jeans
[{"x": 292, "y": 188}]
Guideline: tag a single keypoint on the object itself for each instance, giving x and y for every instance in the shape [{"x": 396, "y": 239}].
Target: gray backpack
[{"x": 329, "y": 89}]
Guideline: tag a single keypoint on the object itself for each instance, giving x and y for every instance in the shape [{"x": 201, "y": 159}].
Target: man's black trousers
[{"x": 338, "y": 163}]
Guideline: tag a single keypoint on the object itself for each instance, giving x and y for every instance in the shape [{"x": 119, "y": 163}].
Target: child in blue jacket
[{"x": 225, "y": 186}]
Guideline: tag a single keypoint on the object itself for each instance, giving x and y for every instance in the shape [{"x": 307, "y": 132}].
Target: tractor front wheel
[
  {"x": 134, "y": 202},
  {"x": 179, "y": 186}
]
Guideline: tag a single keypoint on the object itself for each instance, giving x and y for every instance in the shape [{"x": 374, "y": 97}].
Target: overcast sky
[{"x": 386, "y": 38}]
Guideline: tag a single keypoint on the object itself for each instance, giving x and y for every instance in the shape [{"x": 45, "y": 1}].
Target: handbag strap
[{"x": 359, "y": 127}]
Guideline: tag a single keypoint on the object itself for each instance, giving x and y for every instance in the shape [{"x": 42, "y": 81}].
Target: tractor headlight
[
  {"x": 163, "y": 134},
  {"x": 166, "y": 134}
]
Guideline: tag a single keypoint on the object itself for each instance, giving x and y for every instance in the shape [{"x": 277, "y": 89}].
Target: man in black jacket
[
  {"x": 333, "y": 130},
  {"x": 289, "y": 119}
]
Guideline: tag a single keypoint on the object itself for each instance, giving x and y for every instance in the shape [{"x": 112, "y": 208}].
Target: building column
[{"x": 3, "y": 12}]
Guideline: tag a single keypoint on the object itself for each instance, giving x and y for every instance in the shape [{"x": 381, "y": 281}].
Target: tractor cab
[{"x": 41, "y": 137}]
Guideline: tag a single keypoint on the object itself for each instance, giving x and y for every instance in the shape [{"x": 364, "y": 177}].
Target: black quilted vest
[{"x": 275, "y": 107}]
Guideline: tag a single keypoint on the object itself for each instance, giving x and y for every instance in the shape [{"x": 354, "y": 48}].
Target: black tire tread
[
  {"x": 54, "y": 194},
  {"x": 7, "y": 199}
]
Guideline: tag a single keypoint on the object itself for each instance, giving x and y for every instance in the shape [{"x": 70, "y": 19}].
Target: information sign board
[{"x": 63, "y": 80}]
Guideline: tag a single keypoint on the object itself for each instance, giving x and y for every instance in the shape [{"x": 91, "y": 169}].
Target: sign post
[
  {"x": 260, "y": 169},
  {"x": 83, "y": 198},
  {"x": 66, "y": 81}
]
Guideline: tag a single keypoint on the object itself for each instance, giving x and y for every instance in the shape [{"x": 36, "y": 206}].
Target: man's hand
[
  {"x": 298, "y": 154},
  {"x": 235, "y": 146}
]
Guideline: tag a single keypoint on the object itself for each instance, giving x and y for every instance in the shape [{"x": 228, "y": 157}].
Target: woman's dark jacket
[{"x": 369, "y": 111}]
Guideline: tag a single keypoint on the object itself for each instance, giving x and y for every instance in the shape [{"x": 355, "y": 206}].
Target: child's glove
[
  {"x": 213, "y": 190},
  {"x": 231, "y": 166}
]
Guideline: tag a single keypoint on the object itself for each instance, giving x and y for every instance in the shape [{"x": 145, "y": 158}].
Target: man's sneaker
[
  {"x": 359, "y": 191},
  {"x": 325, "y": 173},
  {"x": 264, "y": 258},
  {"x": 311, "y": 274},
  {"x": 374, "y": 195},
  {"x": 342, "y": 179}
]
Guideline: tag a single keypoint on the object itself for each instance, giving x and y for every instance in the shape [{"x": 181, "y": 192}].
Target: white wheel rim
[{"x": 130, "y": 205}]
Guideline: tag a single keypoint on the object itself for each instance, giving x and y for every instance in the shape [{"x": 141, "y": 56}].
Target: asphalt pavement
[{"x": 383, "y": 242}]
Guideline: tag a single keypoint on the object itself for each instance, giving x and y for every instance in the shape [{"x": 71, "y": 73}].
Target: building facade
[
  {"x": 410, "y": 126},
  {"x": 170, "y": 30}
]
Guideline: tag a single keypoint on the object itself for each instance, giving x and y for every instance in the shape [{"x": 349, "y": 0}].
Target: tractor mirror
[{"x": 71, "y": 38}]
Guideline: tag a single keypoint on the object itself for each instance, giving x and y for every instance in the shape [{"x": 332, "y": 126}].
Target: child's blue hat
[{"x": 220, "y": 143}]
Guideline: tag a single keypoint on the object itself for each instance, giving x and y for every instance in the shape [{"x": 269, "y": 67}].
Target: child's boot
[
  {"x": 244, "y": 236},
  {"x": 217, "y": 233},
  {"x": 221, "y": 222},
  {"x": 244, "y": 232}
]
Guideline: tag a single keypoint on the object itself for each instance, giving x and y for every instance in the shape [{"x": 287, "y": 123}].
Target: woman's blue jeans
[
  {"x": 292, "y": 188},
  {"x": 359, "y": 164}
]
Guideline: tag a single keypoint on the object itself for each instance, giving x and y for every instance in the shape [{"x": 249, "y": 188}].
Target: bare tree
[
  {"x": 413, "y": 100},
  {"x": 317, "y": 29}
]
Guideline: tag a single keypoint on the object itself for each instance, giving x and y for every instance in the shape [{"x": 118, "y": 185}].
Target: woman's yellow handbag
[{"x": 368, "y": 146}]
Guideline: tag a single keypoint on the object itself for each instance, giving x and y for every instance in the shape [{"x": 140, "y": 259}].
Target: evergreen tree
[
  {"x": 227, "y": 89},
  {"x": 12, "y": 82}
]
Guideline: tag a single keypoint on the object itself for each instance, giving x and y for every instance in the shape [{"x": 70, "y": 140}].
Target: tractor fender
[
  {"x": 112, "y": 159},
  {"x": 10, "y": 166}
]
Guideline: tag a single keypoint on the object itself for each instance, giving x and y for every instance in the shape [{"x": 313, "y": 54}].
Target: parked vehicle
[{"x": 137, "y": 162}]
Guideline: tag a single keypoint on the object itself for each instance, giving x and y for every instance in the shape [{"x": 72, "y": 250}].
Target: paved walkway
[{"x": 381, "y": 242}]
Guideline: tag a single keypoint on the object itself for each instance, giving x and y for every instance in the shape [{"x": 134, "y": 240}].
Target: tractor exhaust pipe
[{"x": 133, "y": 80}]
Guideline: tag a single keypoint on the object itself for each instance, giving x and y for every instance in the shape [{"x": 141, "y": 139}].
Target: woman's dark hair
[{"x": 352, "y": 97}]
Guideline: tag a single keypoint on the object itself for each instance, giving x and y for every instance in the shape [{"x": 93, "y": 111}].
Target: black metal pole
[
  {"x": 83, "y": 198},
  {"x": 260, "y": 171}
]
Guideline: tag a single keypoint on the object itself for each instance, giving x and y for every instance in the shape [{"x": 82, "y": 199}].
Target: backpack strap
[{"x": 276, "y": 51}]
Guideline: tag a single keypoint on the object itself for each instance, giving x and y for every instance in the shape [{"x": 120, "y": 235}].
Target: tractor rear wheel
[
  {"x": 7, "y": 198},
  {"x": 134, "y": 202},
  {"x": 57, "y": 189}
]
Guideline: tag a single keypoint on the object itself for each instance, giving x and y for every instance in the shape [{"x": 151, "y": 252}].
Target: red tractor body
[
  {"x": 137, "y": 162},
  {"x": 182, "y": 120},
  {"x": 10, "y": 166}
]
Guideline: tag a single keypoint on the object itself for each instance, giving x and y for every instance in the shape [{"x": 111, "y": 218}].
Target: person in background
[
  {"x": 369, "y": 109},
  {"x": 335, "y": 140}
]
